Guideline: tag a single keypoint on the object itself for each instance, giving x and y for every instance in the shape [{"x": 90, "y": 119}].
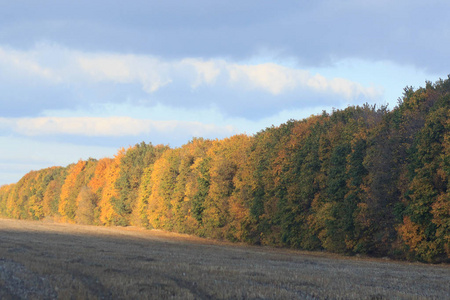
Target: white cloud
[
  {"x": 25, "y": 63},
  {"x": 150, "y": 72},
  {"x": 108, "y": 126},
  {"x": 346, "y": 88},
  {"x": 278, "y": 79},
  {"x": 154, "y": 73},
  {"x": 207, "y": 71},
  {"x": 270, "y": 77},
  {"x": 106, "y": 68}
]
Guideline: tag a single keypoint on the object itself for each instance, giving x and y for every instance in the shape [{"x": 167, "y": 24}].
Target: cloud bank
[
  {"x": 84, "y": 78},
  {"x": 108, "y": 127}
]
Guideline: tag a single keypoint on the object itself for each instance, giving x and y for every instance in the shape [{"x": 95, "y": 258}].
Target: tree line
[{"x": 362, "y": 180}]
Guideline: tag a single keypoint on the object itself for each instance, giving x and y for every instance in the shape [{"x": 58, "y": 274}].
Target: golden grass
[{"x": 42, "y": 260}]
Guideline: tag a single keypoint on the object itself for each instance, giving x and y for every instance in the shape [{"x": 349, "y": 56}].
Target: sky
[{"x": 81, "y": 79}]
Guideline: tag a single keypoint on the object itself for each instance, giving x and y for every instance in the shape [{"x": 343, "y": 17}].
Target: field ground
[{"x": 41, "y": 260}]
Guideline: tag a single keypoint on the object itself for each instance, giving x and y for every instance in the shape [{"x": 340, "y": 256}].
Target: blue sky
[{"x": 81, "y": 79}]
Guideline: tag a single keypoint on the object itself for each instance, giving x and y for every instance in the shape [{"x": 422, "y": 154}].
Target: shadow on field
[{"x": 50, "y": 260}]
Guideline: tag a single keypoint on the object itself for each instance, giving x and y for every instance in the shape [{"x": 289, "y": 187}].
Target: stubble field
[{"x": 40, "y": 260}]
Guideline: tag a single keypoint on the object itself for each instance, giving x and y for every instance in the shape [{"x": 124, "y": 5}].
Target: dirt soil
[{"x": 43, "y": 260}]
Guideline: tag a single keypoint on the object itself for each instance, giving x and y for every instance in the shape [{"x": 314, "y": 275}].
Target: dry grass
[{"x": 41, "y": 260}]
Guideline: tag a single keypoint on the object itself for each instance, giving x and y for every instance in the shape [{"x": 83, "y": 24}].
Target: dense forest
[{"x": 363, "y": 180}]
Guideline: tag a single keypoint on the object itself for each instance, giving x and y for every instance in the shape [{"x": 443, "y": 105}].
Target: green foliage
[
  {"x": 203, "y": 182},
  {"x": 132, "y": 167}
]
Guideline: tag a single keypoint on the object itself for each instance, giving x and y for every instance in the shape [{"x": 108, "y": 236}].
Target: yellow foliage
[
  {"x": 67, "y": 205},
  {"x": 159, "y": 200},
  {"x": 441, "y": 217},
  {"x": 99, "y": 179},
  {"x": 107, "y": 212}
]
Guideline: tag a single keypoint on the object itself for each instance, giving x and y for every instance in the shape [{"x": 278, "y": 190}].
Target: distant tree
[
  {"x": 98, "y": 181},
  {"x": 139, "y": 215},
  {"x": 425, "y": 229},
  {"x": 67, "y": 204},
  {"x": 53, "y": 182},
  {"x": 226, "y": 207},
  {"x": 164, "y": 177},
  {"x": 86, "y": 202},
  {"x": 109, "y": 205},
  {"x": 132, "y": 167},
  {"x": 5, "y": 191}
]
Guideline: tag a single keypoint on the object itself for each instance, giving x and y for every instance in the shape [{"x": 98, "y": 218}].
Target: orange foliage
[
  {"x": 411, "y": 233},
  {"x": 99, "y": 180}
]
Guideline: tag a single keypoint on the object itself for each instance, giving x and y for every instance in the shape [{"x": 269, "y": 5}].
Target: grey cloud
[{"x": 314, "y": 32}]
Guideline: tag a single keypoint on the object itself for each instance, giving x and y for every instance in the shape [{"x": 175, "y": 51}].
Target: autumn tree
[
  {"x": 164, "y": 177},
  {"x": 109, "y": 204},
  {"x": 264, "y": 227},
  {"x": 297, "y": 167},
  {"x": 425, "y": 228},
  {"x": 140, "y": 208},
  {"x": 78, "y": 176},
  {"x": 5, "y": 190},
  {"x": 191, "y": 186},
  {"x": 226, "y": 207},
  {"x": 86, "y": 203},
  {"x": 132, "y": 167},
  {"x": 52, "y": 192}
]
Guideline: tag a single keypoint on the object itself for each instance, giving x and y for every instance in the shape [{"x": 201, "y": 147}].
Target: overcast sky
[{"x": 81, "y": 79}]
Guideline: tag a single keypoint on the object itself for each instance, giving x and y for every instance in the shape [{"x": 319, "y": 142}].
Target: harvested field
[{"x": 40, "y": 260}]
